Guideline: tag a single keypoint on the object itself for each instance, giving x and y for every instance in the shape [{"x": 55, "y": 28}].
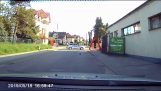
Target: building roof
[
  {"x": 61, "y": 35},
  {"x": 69, "y": 36},
  {"x": 136, "y": 9},
  {"x": 51, "y": 34},
  {"x": 41, "y": 13}
]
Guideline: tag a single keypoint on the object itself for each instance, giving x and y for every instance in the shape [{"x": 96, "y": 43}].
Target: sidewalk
[{"x": 121, "y": 65}]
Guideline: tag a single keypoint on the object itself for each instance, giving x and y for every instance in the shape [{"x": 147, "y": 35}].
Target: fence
[{"x": 18, "y": 40}]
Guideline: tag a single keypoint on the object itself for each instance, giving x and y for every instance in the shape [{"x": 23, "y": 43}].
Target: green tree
[
  {"x": 76, "y": 41},
  {"x": 3, "y": 33},
  {"x": 22, "y": 3},
  {"x": 15, "y": 16},
  {"x": 25, "y": 23},
  {"x": 99, "y": 28},
  {"x": 6, "y": 14},
  {"x": 24, "y": 20}
]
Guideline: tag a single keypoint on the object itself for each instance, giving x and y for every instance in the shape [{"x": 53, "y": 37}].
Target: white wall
[
  {"x": 46, "y": 27},
  {"x": 147, "y": 43}
]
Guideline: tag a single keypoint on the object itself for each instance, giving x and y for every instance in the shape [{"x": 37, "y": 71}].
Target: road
[
  {"x": 79, "y": 61},
  {"x": 53, "y": 61}
]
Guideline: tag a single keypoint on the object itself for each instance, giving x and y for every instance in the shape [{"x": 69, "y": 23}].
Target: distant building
[
  {"x": 42, "y": 19},
  {"x": 59, "y": 37},
  {"x": 76, "y": 38},
  {"x": 141, "y": 29},
  {"x": 81, "y": 39},
  {"x": 62, "y": 39},
  {"x": 70, "y": 38}
]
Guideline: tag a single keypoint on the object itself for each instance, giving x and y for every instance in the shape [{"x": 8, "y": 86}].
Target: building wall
[
  {"x": 44, "y": 28},
  {"x": 146, "y": 43},
  {"x": 64, "y": 40},
  {"x": 70, "y": 40}
]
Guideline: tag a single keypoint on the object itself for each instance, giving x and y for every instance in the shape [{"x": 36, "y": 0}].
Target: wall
[
  {"x": 45, "y": 26},
  {"x": 146, "y": 43}
]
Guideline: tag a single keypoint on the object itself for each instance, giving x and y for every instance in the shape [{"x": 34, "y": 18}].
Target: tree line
[{"x": 17, "y": 20}]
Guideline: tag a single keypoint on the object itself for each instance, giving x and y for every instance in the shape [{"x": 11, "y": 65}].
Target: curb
[{"x": 15, "y": 54}]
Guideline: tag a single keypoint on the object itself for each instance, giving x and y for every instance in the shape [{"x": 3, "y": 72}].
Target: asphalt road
[{"x": 75, "y": 61}]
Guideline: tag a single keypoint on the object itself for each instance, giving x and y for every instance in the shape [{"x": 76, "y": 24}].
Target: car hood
[{"x": 79, "y": 76}]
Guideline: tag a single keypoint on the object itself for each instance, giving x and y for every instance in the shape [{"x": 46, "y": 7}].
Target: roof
[
  {"x": 51, "y": 34},
  {"x": 69, "y": 36},
  {"x": 61, "y": 35},
  {"x": 138, "y": 8},
  {"x": 41, "y": 13}
]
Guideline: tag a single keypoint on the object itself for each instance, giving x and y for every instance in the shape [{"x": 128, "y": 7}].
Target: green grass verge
[{"x": 9, "y": 48}]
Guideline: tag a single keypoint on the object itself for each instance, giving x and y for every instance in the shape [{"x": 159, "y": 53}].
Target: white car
[{"x": 75, "y": 46}]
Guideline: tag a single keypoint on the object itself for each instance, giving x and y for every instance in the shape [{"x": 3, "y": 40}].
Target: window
[
  {"x": 125, "y": 31},
  {"x": 137, "y": 27},
  {"x": 134, "y": 28},
  {"x": 116, "y": 33},
  {"x": 155, "y": 21}
]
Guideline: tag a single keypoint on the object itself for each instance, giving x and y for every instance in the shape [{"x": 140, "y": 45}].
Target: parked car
[{"x": 75, "y": 46}]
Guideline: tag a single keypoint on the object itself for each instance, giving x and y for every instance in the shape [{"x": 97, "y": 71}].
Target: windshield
[{"x": 104, "y": 37}]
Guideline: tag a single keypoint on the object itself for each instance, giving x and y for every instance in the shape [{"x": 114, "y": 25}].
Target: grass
[{"x": 9, "y": 48}]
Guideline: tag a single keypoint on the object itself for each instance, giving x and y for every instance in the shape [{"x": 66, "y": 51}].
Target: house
[
  {"x": 141, "y": 29},
  {"x": 81, "y": 39},
  {"x": 42, "y": 19},
  {"x": 70, "y": 38},
  {"x": 76, "y": 38},
  {"x": 61, "y": 38}
]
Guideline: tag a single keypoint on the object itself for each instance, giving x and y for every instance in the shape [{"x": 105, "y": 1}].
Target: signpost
[{"x": 117, "y": 45}]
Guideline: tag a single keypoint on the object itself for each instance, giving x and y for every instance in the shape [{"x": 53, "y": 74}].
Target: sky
[{"x": 78, "y": 17}]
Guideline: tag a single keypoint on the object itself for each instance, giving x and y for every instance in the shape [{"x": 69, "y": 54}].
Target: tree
[
  {"x": 22, "y": 3},
  {"x": 15, "y": 16},
  {"x": 25, "y": 23},
  {"x": 99, "y": 28},
  {"x": 23, "y": 19},
  {"x": 76, "y": 41},
  {"x": 99, "y": 31},
  {"x": 3, "y": 33}
]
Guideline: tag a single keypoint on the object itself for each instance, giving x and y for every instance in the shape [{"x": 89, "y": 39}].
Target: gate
[{"x": 104, "y": 44}]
